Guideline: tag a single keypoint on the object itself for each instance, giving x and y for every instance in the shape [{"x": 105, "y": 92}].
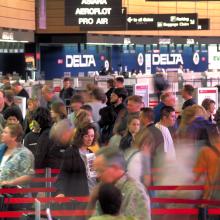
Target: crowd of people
[{"x": 110, "y": 145}]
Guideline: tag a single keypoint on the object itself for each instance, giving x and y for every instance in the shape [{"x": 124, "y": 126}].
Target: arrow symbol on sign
[{"x": 129, "y": 19}]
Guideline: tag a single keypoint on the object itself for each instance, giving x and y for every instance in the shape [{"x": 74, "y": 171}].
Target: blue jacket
[{"x": 3, "y": 148}]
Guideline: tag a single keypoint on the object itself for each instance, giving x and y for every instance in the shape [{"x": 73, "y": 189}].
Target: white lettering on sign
[
  {"x": 94, "y": 2},
  {"x": 86, "y": 20},
  {"x": 167, "y": 59},
  {"x": 102, "y": 21},
  {"x": 93, "y": 11},
  {"x": 7, "y": 36},
  {"x": 80, "y": 61}
]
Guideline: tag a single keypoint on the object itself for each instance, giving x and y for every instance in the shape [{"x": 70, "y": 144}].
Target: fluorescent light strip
[
  {"x": 14, "y": 41},
  {"x": 105, "y": 44}
]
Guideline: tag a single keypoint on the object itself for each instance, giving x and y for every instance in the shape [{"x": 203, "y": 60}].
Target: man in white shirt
[{"x": 167, "y": 119}]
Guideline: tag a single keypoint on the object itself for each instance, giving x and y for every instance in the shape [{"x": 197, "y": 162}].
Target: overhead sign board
[
  {"x": 95, "y": 14},
  {"x": 204, "y": 93},
  {"x": 181, "y": 0},
  {"x": 203, "y": 24},
  {"x": 162, "y": 21},
  {"x": 142, "y": 90}
]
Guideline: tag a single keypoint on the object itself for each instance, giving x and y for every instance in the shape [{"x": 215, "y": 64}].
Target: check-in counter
[
  {"x": 213, "y": 78},
  {"x": 145, "y": 79},
  {"x": 196, "y": 79},
  {"x": 84, "y": 81}
]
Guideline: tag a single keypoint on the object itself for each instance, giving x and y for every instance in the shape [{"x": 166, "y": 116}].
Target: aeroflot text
[{"x": 94, "y": 2}]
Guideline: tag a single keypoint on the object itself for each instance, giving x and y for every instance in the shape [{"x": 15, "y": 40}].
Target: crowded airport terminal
[{"x": 109, "y": 109}]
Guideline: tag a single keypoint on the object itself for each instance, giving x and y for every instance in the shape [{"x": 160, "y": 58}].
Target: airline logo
[
  {"x": 196, "y": 58},
  {"x": 167, "y": 59},
  {"x": 140, "y": 59},
  {"x": 80, "y": 61}
]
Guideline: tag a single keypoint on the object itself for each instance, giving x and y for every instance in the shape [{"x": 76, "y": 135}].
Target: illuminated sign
[
  {"x": 162, "y": 21},
  {"x": 167, "y": 59},
  {"x": 95, "y": 14},
  {"x": 80, "y": 61},
  {"x": 7, "y": 35}
]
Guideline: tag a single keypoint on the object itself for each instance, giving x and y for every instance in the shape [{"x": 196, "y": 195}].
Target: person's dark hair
[
  {"x": 9, "y": 95},
  {"x": 120, "y": 79},
  {"x": 80, "y": 132},
  {"x": 77, "y": 98},
  {"x": 207, "y": 102},
  {"x": 87, "y": 108},
  {"x": 16, "y": 130},
  {"x": 189, "y": 89},
  {"x": 13, "y": 111},
  {"x": 43, "y": 117},
  {"x": 217, "y": 117},
  {"x": 120, "y": 92},
  {"x": 111, "y": 83},
  {"x": 99, "y": 94},
  {"x": 148, "y": 113},
  {"x": 66, "y": 79},
  {"x": 59, "y": 108},
  {"x": 110, "y": 199},
  {"x": 135, "y": 98},
  {"x": 165, "y": 111}
]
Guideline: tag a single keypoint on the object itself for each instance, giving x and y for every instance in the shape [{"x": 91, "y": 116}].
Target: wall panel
[
  {"x": 208, "y": 9},
  {"x": 19, "y": 14}
]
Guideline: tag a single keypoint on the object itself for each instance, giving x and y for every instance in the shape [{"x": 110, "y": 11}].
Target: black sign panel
[
  {"x": 203, "y": 24},
  {"x": 95, "y": 14},
  {"x": 182, "y": 0},
  {"x": 162, "y": 22}
]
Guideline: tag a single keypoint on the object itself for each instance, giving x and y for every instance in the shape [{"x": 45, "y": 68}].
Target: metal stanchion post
[
  {"x": 48, "y": 184},
  {"x": 203, "y": 213}
]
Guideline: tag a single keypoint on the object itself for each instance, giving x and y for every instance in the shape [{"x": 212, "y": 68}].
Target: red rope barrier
[
  {"x": 65, "y": 213},
  {"x": 42, "y": 171},
  {"x": 38, "y": 179},
  {"x": 55, "y": 213},
  {"x": 185, "y": 201},
  {"x": 176, "y": 187},
  {"x": 213, "y": 211},
  {"x": 174, "y": 211},
  {"x": 46, "y": 200},
  {"x": 26, "y": 190}
]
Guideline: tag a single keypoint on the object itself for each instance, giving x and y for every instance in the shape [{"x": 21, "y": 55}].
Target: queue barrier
[
  {"x": 155, "y": 211},
  {"x": 202, "y": 213}
]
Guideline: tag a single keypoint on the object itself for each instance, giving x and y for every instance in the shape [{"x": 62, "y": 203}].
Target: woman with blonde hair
[
  {"x": 194, "y": 125},
  {"x": 138, "y": 157},
  {"x": 32, "y": 105}
]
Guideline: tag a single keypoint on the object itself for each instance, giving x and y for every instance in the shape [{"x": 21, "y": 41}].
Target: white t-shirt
[{"x": 169, "y": 148}]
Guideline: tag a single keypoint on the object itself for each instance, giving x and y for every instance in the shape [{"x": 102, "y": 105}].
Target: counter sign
[{"x": 95, "y": 14}]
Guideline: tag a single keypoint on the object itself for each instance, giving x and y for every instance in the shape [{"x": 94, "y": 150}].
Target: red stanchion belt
[
  {"x": 42, "y": 171},
  {"x": 55, "y": 213},
  {"x": 26, "y": 190},
  {"x": 194, "y": 187},
  {"x": 84, "y": 199}
]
